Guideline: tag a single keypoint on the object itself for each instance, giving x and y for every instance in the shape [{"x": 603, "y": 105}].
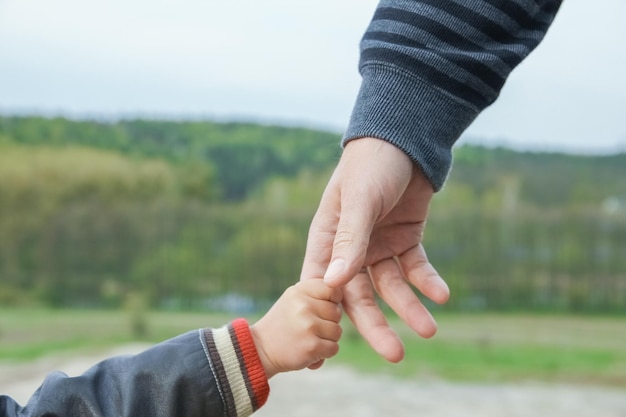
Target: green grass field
[
  {"x": 496, "y": 348},
  {"x": 471, "y": 347}
]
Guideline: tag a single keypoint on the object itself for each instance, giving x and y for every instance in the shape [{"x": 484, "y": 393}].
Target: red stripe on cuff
[{"x": 252, "y": 361}]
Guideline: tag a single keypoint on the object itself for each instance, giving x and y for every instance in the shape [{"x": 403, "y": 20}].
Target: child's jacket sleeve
[{"x": 201, "y": 373}]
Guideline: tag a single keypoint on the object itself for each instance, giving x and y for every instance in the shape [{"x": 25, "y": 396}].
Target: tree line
[{"x": 184, "y": 213}]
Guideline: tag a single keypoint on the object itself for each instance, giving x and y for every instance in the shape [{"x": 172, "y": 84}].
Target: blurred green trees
[{"x": 184, "y": 212}]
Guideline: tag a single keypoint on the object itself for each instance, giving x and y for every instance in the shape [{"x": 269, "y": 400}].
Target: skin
[
  {"x": 366, "y": 238},
  {"x": 301, "y": 329}
]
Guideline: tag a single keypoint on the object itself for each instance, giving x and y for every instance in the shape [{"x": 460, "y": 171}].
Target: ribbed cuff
[
  {"x": 237, "y": 367},
  {"x": 252, "y": 361},
  {"x": 399, "y": 108}
]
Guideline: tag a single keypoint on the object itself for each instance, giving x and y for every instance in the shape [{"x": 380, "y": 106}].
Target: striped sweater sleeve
[
  {"x": 237, "y": 368},
  {"x": 429, "y": 67}
]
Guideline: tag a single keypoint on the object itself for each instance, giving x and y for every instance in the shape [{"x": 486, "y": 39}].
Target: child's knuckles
[
  {"x": 336, "y": 295},
  {"x": 309, "y": 325},
  {"x": 337, "y": 314},
  {"x": 311, "y": 346},
  {"x": 331, "y": 350},
  {"x": 338, "y": 333},
  {"x": 303, "y": 312},
  {"x": 332, "y": 332}
]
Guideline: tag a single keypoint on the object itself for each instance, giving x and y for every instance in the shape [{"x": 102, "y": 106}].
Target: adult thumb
[{"x": 350, "y": 244}]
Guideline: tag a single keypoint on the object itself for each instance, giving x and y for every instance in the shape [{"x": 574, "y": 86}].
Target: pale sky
[{"x": 282, "y": 61}]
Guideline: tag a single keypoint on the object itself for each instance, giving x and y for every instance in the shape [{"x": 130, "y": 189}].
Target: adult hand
[{"x": 367, "y": 236}]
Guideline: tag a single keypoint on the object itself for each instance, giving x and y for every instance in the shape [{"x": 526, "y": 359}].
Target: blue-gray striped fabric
[{"x": 429, "y": 67}]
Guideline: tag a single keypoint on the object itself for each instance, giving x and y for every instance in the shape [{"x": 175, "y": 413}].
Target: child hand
[{"x": 302, "y": 328}]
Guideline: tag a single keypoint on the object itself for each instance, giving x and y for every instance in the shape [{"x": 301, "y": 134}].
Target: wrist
[
  {"x": 413, "y": 115},
  {"x": 267, "y": 364}
]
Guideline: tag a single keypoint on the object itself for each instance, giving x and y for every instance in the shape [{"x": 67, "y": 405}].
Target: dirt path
[{"x": 337, "y": 391}]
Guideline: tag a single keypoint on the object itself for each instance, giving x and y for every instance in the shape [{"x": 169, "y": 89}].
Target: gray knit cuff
[{"x": 424, "y": 122}]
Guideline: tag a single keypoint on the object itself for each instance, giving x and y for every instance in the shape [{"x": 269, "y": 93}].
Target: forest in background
[{"x": 198, "y": 214}]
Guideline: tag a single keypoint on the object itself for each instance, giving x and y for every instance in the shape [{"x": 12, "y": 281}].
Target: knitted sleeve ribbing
[
  {"x": 237, "y": 368},
  {"x": 429, "y": 67}
]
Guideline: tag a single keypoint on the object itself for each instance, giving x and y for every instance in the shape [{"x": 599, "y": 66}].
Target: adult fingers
[
  {"x": 393, "y": 288},
  {"x": 340, "y": 230},
  {"x": 322, "y": 230},
  {"x": 338, "y": 237},
  {"x": 415, "y": 266},
  {"x": 351, "y": 240},
  {"x": 359, "y": 304},
  {"x": 373, "y": 176}
]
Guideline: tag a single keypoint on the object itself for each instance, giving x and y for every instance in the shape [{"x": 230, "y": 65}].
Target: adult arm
[{"x": 429, "y": 67}]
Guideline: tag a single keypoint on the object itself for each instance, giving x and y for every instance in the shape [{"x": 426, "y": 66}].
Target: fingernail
[{"x": 335, "y": 268}]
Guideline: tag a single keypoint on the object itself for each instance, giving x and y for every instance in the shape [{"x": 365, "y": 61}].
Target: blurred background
[{"x": 160, "y": 163}]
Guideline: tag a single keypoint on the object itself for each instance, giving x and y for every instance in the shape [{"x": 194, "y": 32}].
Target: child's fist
[{"x": 301, "y": 329}]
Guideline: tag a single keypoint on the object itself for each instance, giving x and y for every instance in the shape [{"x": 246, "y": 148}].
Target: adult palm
[{"x": 367, "y": 237}]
